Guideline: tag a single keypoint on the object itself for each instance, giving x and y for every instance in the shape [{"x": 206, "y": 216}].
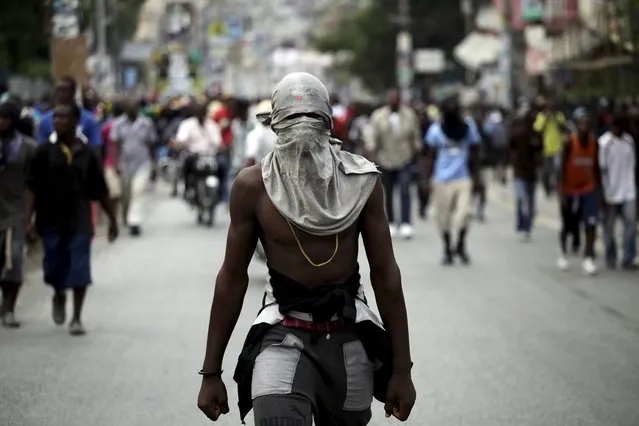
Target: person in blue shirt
[
  {"x": 452, "y": 161},
  {"x": 64, "y": 93}
]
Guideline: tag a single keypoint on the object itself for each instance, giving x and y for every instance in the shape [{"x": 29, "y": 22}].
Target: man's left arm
[{"x": 387, "y": 284}]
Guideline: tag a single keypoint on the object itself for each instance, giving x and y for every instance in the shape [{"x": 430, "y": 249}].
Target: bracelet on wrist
[{"x": 215, "y": 373}]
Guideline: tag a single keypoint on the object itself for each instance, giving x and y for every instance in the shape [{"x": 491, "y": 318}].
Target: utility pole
[
  {"x": 507, "y": 65},
  {"x": 467, "y": 9},
  {"x": 115, "y": 40},
  {"x": 101, "y": 24},
  {"x": 405, "y": 52},
  {"x": 68, "y": 45}
]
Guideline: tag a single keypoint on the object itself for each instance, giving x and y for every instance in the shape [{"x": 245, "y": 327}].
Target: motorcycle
[{"x": 205, "y": 188}]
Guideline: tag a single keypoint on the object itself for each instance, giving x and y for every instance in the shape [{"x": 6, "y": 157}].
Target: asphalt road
[{"x": 507, "y": 341}]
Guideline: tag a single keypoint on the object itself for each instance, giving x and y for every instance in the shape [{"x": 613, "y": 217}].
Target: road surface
[{"x": 507, "y": 341}]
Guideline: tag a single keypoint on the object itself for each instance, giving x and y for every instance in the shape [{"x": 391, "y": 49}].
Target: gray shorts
[
  {"x": 300, "y": 375},
  {"x": 12, "y": 246}
]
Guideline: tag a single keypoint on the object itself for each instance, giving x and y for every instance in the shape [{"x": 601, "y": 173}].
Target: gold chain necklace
[{"x": 308, "y": 259}]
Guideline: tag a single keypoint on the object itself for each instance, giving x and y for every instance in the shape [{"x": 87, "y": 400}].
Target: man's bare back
[
  {"x": 284, "y": 338},
  {"x": 282, "y": 250}
]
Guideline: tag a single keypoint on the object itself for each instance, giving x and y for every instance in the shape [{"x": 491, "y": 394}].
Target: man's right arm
[
  {"x": 232, "y": 280},
  {"x": 386, "y": 279}
]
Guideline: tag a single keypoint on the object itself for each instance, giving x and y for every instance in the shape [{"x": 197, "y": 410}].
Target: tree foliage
[
  {"x": 24, "y": 44},
  {"x": 24, "y": 32},
  {"x": 370, "y": 35},
  {"x": 126, "y": 21}
]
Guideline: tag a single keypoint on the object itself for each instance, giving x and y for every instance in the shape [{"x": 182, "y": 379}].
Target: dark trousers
[
  {"x": 525, "y": 198},
  {"x": 390, "y": 180}
]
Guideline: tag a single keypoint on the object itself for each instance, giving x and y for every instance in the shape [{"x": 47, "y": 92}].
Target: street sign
[{"x": 429, "y": 61}]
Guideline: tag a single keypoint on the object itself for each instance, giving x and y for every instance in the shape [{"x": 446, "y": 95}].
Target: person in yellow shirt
[{"x": 551, "y": 125}]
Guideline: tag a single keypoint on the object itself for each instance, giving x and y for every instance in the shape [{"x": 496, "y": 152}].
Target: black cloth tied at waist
[{"x": 322, "y": 303}]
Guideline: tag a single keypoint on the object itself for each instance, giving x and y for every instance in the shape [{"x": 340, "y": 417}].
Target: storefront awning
[{"x": 478, "y": 49}]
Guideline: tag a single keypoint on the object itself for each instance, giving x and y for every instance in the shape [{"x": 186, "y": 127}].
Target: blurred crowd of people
[
  {"x": 587, "y": 157},
  {"x": 68, "y": 153}
]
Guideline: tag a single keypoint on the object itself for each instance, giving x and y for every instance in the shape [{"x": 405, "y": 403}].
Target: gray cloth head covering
[{"x": 311, "y": 182}]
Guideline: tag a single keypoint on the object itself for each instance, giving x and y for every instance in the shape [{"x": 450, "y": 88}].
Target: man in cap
[
  {"x": 315, "y": 348},
  {"x": 261, "y": 140},
  {"x": 16, "y": 152}
]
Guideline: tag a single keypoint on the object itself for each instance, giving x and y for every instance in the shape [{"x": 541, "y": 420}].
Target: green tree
[
  {"x": 24, "y": 45},
  {"x": 24, "y": 32},
  {"x": 125, "y": 22},
  {"x": 370, "y": 35}
]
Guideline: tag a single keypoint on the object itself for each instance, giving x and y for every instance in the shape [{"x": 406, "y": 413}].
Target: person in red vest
[
  {"x": 222, "y": 114},
  {"x": 579, "y": 190}
]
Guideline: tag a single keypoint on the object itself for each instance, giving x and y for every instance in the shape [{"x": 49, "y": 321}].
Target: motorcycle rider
[{"x": 198, "y": 135}]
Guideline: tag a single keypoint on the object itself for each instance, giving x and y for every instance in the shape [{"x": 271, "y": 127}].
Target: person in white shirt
[
  {"x": 261, "y": 140},
  {"x": 198, "y": 135},
  {"x": 617, "y": 163}
]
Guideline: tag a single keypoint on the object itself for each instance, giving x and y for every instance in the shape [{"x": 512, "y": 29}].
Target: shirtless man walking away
[{"x": 315, "y": 350}]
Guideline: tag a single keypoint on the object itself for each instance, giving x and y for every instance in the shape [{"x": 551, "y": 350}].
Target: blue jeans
[
  {"x": 403, "y": 178},
  {"x": 627, "y": 212},
  {"x": 525, "y": 199}
]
